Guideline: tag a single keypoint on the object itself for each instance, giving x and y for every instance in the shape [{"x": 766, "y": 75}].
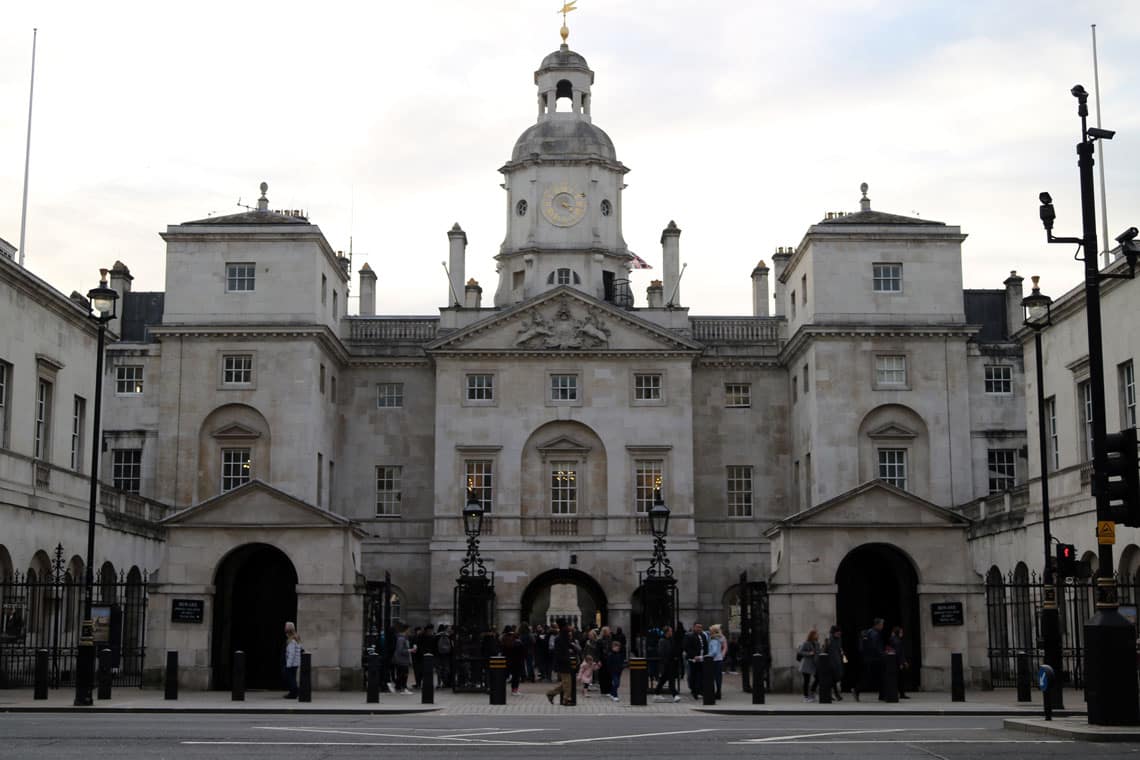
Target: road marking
[
  {"x": 492, "y": 732},
  {"x": 915, "y": 741},
  {"x": 630, "y": 736},
  {"x": 817, "y": 734}
]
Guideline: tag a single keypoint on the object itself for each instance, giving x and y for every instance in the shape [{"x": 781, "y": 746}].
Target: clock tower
[{"x": 563, "y": 185}]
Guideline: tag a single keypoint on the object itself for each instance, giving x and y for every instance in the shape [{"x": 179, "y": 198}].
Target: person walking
[
  {"x": 527, "y": 640},
  {"x": 561, "y": 664},
  {"x": 586, "y": 672},
  {"x": 806, "y": 656},
  {"x": 443, "y": 655},
  {"x": 402, "y": 659},
  {"x": 899, "y": 647},
  {"x": 292, "y": 659},
  {"x": 615, "y": 662},
  {"x": 837, "y": 659},
  {"x": 669, "y": 657},
  {"x": 871, "y": 648},
  {"x": 515, "y": 653},
  {"x": 718, "y": 649}
]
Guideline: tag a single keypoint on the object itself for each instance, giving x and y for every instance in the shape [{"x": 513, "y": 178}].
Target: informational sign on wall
[
  {"x": 947, "y": 613},
  {"x": 187, "y": 610}
]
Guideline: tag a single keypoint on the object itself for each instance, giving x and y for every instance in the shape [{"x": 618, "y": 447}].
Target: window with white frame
[
  {"x": 647, "y": 386},
  {"x": 1002, "y": 467},
  {"x": 892, "y": 467},
  {"x": 389, "y": 395},
  {"x": 563, "y": 387},
  {"x": 738, "y": 395},
  {"x": 1085, "y": 405},
  {"x": 388, "y": 490},
  {"x": 237, "y": 369},
  {"x": 78, "y": 418},
  {"x": 42, "y": 432},
  {"x": 647, "y": 478},
  {"x": 5, "y": 403},
  {"x": 1051, "y": 426},
  {"x": 563, "y": 276},
  {"x": 129, "y": 380},
  {"x": 237, "y": 468},
  {"x": 239, "y": 277},
  {"x": 740, "y": 491},
  {"x": 890, "y": 370},
  {"x": 563, "y": 488},
  {"x": 126, "y": 470},
  {"x": 479, "y": 480},
  {"x": 886, "y": 278},
  {"x": 480, "y": 387},
  {"x": 1127, "y": 378},
  {"x": 999, "y": 379}
]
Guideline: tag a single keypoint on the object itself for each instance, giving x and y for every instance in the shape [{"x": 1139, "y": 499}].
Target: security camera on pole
[{"x": 1110, "y": 640}]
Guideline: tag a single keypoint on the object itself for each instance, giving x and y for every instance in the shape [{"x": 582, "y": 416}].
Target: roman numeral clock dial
[{"x": 563, "y": 205}]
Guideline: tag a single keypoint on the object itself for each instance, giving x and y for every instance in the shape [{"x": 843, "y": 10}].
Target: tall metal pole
[
  {"x": 1050, "y": 615},
  {"x": 1103, "y": 198},
  {"x": 28, "y": 149}
]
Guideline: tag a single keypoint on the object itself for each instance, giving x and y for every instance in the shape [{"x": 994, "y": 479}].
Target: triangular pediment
[
  {"x": 256, "y": 504},
  {"x": 873, "y": 504},
  {"x": 892, "y": 430},
  {"x": 563, "y": 444},
  {"x": 564, "y": 320},
  {"x": 235, "y": 431}
]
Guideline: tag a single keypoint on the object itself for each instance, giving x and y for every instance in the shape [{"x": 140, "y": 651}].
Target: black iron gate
[
  {"x": 46, "y": 613},
  {"x": 379, "y": 632},
  {"x": 475, "y": 641},
  {"x": 753, "y": 629},
  {"x": 1013, "y": 617}
]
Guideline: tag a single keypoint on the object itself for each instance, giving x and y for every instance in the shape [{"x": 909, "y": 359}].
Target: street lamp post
[
  {"x": 1039, "y": 315},
  {"x": 103, "y": 301},
  {"x": 659, "y": 566},
  {"x": 474, "y": 605},
  {"x": 1110, "y": 640}
]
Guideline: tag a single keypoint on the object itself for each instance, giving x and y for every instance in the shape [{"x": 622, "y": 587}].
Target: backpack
[{"x": 443, "y": 644}]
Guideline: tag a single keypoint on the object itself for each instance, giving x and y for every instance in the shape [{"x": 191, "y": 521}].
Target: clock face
[{"x": 563, "y": 204}]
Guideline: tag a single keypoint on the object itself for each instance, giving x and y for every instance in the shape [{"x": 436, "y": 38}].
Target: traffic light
[
  {"x": 1066, "y": 561},
  {"x": 1122, "y": 478}
]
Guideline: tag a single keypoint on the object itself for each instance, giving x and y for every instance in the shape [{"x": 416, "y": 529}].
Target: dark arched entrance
[
  {"x": 255, "y": 593},
  {"x": 878, "y": 580},
  {"x": 590, "y": 598}
]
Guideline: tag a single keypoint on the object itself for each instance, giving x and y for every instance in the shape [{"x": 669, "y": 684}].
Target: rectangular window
[
  {"x": 887, "y": 278},
  {"x": 795, "y": 388},
  {"x": 1051, "y": 427},
  {"x": 320, "y": 477},
  {"x": 1127, "y": 378},
  {"x": 332, "y": 468},
  {"x": 239, "y": 277},
  {"x": 1084, "y": 399},
  {"x": 126, "y": 470},
  {"x": 562, "y": 277},
  {"x": 807, "y": 384},
  {"x": 336, "y": 307},
  {"x": 738, "y": 395},
  {"x": 792, "y": 305},
  {"x": 78, "y": 418},
  {"x": 890, "y": 371},
  {"x": 388, "y": 494},
  {"x": 892, "y": 467},
  {"x": 739, "y": 491},
  {"x": 321, "y": 380},
  {"x": 647, "y": 478},
  {"x": 563, "y": 387},
  {"x": 517, "y": 280},
  {"x": 237, "y": 468},
  {"x": 647, "y": 386},
  {"x": 803, "y": 289},
  {"x": 42, "y": 447},
  {"x": 807, "y": 480},
  {"x": 563, "y": 488},
  {"x": 479, "y": 480},
  {"x": 389, "y": 395},
  {"x": 5, "y": 402},
  {"x": 1002, "y": 466},
  {"x": 237, "y": 369},
  {"x": 324, "y": 289},
  {"x": 999, "y": 379},
  {"x": 129, "y": 380},
  {"x": 480, "y": 387}
]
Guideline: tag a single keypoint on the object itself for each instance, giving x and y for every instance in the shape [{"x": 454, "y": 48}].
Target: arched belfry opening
[
  {"x": 878, "y": 581},
  {"x": 564, "y": 594},
  {"x": 255, "y": 593}
]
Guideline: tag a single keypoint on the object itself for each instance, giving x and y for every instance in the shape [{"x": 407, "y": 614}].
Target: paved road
[{"x": 64, "y": 736}]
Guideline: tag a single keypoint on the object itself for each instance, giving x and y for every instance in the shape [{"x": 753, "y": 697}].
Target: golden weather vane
[{"x": 566, "y": 8}]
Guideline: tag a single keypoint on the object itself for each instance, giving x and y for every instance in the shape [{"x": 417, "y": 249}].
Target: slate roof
[
  {"x": 879, "y": 217},
  {"x": 250, "y": 217}
]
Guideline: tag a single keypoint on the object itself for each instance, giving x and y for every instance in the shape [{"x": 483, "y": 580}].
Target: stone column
[
  {"x": 457, "y": 239},
  {"x": 671, "y": 263},
  {"x": 367, "y": 291}
]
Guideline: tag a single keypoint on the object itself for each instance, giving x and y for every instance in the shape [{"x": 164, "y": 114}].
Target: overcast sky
[{"x": 744, "y": 121}]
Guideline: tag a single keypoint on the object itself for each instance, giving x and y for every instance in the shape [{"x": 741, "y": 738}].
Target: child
[
  {"x": 615, "y": 661},
  {"x": 586, "y": 673}
]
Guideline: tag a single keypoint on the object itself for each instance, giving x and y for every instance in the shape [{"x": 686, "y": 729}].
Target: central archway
[
  {"x": 535, "y": 606},
  {"x": 878, "y": 580},
  {"x": 255, "y": 593}
]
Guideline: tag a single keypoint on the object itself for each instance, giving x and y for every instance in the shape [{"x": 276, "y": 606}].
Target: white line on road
[
  {"x": 629, "y": 736},
  {"x": 914, "y": 741},
  {"x": 817, "y": 734}
]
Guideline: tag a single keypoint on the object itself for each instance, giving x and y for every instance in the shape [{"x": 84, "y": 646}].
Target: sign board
[
  {"x": 1128, "y": 611},
  {"x": 101, "y": 617},
  {"x": 1044, "y": 677},
  {"x": 187, "y": 610},
  {"x": 1105, "y": 532},
  {"x": 947, "y": 613}
]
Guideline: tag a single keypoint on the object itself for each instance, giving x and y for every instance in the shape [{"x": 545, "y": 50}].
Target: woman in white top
[
  {"x": 292, "y": 659},
  {"x": 718, "y": 648}
]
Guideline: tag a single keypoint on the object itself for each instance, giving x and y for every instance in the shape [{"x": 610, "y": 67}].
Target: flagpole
[
  {"x": 1103, "y": 200},
  {"x": 28, "y": 149}
]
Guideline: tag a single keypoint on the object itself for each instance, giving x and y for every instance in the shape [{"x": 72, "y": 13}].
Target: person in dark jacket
[
  {"x": 615, "y": 662},
  {"x": 696, "y": 646},
  {"x": 899, "y": 647},
  {"x": 837, "y": 658},
  {"x": 871, "y": 647},
  {"x": 563, "y": 649},
  {"x": 669, "y": 657}
]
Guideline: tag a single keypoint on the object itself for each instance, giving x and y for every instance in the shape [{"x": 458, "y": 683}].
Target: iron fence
[{"x": 45, "y": 611}]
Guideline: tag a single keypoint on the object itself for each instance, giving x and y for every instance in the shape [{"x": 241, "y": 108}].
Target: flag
[{"x": 639, "y": 263}]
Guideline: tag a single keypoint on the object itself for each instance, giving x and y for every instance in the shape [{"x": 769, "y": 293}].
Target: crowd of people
[{"x": 875, "y": 650}]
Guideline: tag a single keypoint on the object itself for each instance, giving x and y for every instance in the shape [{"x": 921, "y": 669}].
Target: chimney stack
[
  {"x": 864, "y": 202},
  {"x": 654, "y": 295},
  {"x": 1013, "y": 310},
  {"x": 779, "y": 263},
  {"x": 121, "y": 284},
  {"x": 458, "y": 253},
  {"x": 473, "y": 295},
  {"x": 367, "y": 291},
  {"x": 671, "y": 263},
  {"x": 760, "y": 290}
]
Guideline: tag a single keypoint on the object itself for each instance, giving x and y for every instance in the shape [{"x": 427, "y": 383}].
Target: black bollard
[
  {"x": 572, "y": 700},
  {"x": 890, "y": 688},
  {"x": 373, "y": 677},
  {"x": 825, "y": 678},
  {"x": 41, "y": 690},
  {"x": 1024, "y": 679},
  {"x": 237, "y": 677},
  {"x": 745, "y": 666},
  {"x": 498, "y": 678},
  {"x": 305, "y": 687},
  {"x": 427, "y": 680},
  {"x": 638, "y": 681},
  {"x": 957, "y": 678},
  {"x": 757, "y": 665},
  {"x": 171, "y": 675},
  {"x": 708, "y": 681},
  {"x": 104, "y": 678}
]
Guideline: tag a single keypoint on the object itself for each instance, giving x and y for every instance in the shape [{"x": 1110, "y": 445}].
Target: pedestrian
[
  {"x": 527, "y": 639},
  {"x": 586, "y": 672},
  {"x": 837, "y": 659},
  {"x": 896, "y": 643},
  {"x": 615, "y": 662},
  {"x": 443, "y": 655},
  {"x": 292, "y": 659},
  {"x": 806, "y": 656},
  {"x": 561, "y": 664},
  {"x": 402, "y": 659},
  {"x": 669, "y": 657},
  {"x": 871, "y": 648},
  {"x": 515, "y": 653},
  {"x": 541, "y": 653},
  {"x": 605, "y": 639},
  {"x": 718, "y": 648},
  {"x": 695, "y": 648}
]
